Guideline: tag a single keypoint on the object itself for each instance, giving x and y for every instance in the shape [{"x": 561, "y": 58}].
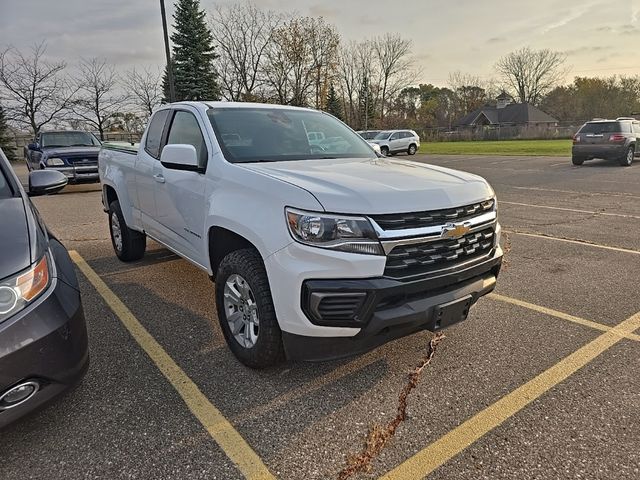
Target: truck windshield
[
  {"x": 69, "y": 139},
  {"x": 278, "y": 134}
]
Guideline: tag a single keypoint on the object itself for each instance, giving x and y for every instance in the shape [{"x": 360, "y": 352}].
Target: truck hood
[
  {"x": 71, "y": 151},
  {"x": 364, "y": 186},
  {"x": 14, "y": 237}
]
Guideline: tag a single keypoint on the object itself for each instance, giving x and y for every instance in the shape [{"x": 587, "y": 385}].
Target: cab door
[
  {"x": 395, "y": 142},
  {"x": 147, "y": 161},
  {"x": 181, "y": 205}
]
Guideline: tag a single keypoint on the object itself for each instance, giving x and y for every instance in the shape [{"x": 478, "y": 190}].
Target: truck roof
[{"x": 223, "y": 104}]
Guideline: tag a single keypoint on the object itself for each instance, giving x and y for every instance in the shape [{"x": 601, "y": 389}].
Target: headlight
[
  {"x": 18, "y": 291},
  {"x": 335, "y": 232},
  {"x": 55, "y": 162}
]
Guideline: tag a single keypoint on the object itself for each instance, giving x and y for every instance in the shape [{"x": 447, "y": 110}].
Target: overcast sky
[{"x": 600, "y": 37}]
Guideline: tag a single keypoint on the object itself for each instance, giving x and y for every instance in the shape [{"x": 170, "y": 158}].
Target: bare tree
[
  {"x": 243, "y": 32},
  {"x": 97, "y": 99},
  {"x": 530, "y": 74},
  {"x": 145, "y": 87},
  {"x": 301, "y": 60},
  {"x": 469, "y": 92},
  {"x": 34, "y": 90},
  {"x": 392, "y": 53}
]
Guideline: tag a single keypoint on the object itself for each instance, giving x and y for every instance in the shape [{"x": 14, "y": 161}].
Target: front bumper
[
  {"x": 47, "y": 341},
  {"x": 392, "y": 308},
  {"x": 79, "y": 173}
]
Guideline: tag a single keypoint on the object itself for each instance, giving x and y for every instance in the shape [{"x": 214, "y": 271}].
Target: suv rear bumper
[
  {"x": 392, "y": 309},
  {"x": 600, "y": 151}
]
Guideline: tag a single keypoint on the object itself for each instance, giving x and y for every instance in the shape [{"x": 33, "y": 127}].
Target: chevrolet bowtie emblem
[{"x": 455, "y": 230}]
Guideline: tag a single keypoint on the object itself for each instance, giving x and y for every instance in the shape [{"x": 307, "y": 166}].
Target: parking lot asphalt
[{"x": 542, "y": 381}]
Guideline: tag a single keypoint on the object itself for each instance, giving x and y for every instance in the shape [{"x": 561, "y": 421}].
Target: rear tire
[
  {"x": 629, "y": 155},
  {"x": 242, "y": 290},
  {"x": 412, "y": 149},
  {"x": 128, "y": 244},
  {"x": 577, "y": 160}
]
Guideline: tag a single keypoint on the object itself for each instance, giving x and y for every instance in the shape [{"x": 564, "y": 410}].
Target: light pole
[{"x": 172, "y": 88}]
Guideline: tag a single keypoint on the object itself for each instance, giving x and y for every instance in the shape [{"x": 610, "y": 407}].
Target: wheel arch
[{"x": 222, "y": 241}]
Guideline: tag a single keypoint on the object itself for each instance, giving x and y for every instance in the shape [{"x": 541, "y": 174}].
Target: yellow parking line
[
  {"x": 220, "y": 429},
  {"x": 461, "y": 437},
  {"x": 584, "y": 243},
  {"x": 557, "y": 314}
]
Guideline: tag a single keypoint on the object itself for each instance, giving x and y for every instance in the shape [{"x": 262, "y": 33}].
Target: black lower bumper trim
[{"x": 389, "y": 323}]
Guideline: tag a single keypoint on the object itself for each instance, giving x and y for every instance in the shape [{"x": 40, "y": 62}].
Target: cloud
[
  {"x": 572, "y": 15},
  {"x": 496, "y": 40},
  {"x": 323, "y": 11},
  {"x": 589, "y": 49}
]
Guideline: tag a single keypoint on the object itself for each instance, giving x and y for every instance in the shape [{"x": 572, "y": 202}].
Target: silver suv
[
  {"x": 397, "y": 141},
  {"x": 608, "y": 139}
]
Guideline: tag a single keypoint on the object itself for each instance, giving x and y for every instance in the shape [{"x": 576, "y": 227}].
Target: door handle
[{"x": 158, "y": 177}]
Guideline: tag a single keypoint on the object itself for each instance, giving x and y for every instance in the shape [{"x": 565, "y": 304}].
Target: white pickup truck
[{"x": 318, "y": 251}]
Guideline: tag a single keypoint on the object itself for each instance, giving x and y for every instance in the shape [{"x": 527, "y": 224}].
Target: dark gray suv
[{"x": 608, "y": 139}]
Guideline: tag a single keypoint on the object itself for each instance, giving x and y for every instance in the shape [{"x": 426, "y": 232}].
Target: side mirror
[
  {"x": 180, "y": 157},
  {"x": 44, "y": 182},
  {"x": 33, "y": 146}
]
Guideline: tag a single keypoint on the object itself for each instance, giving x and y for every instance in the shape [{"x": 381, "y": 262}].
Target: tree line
[{"x": 241, "y": 52}]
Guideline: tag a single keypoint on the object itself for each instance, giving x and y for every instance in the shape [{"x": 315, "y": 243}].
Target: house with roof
[{"x": 507, "y": 113}]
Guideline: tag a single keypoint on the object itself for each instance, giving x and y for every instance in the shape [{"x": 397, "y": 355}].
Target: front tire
[
  {"x": 384, "y": 151},
  {"x": 629, "y": 155},
  {"x": 245, "y": 310},
  {"x": 128, "y": 244}
]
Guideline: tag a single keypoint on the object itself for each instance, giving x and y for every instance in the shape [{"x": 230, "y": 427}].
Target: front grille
[
  {"x": 424, "y": 258},
  {"x": 81, "y": 161},
  {"x": 339, "y": 306},
  {"x": 402, "y": 221}
]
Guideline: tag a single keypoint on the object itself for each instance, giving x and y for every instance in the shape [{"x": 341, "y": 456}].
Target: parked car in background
[
  {"x": 43, "y": 338},
  {"x": 317, "y": 252},
  {"x": 607, "y": 139},
  {"x": 368, "y": 134},
  {"x": 71, "y": 152},
  {"x": 392, "y": 142}
]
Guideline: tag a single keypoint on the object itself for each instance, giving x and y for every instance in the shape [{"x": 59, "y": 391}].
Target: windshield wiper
[{"x": 81, "y": 145}]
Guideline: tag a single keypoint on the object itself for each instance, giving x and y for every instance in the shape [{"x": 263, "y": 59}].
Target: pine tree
[
  {"x": 193, "y": 54},
  {"x": 6, "y": 142},
  {"x": 366, "y": 106},
  {"x": 334, "y": 106}
]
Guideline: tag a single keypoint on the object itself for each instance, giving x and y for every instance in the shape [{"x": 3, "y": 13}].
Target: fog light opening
[{"x": 19, "y": 394}]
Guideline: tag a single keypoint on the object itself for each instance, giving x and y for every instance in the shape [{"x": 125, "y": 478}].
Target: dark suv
[{"x": 608, "y": 139}]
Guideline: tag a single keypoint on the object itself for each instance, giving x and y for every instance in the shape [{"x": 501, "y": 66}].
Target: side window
[
  {"x": 395, "y": 136},
  {"x": 636, "y": 127},
  {"x": 154, "y": 133},
  {"x": 185, "y": 130}
]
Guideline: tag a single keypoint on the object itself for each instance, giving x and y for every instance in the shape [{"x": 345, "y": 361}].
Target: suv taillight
[{"x": 617, "y": 137}]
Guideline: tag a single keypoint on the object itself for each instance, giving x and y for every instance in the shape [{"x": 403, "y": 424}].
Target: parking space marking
[
  {"x": 591, "y": 212},
  {"x": 584, "y": 243},
  {"x": 463, "y": 436},
  {"x": 220, "y": 429},
  {"x": 558, "y": 314},
  {"x": 583, "y": 193}
]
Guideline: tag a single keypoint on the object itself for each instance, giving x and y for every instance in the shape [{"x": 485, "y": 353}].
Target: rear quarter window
[{"x": 154, "y": 133}]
